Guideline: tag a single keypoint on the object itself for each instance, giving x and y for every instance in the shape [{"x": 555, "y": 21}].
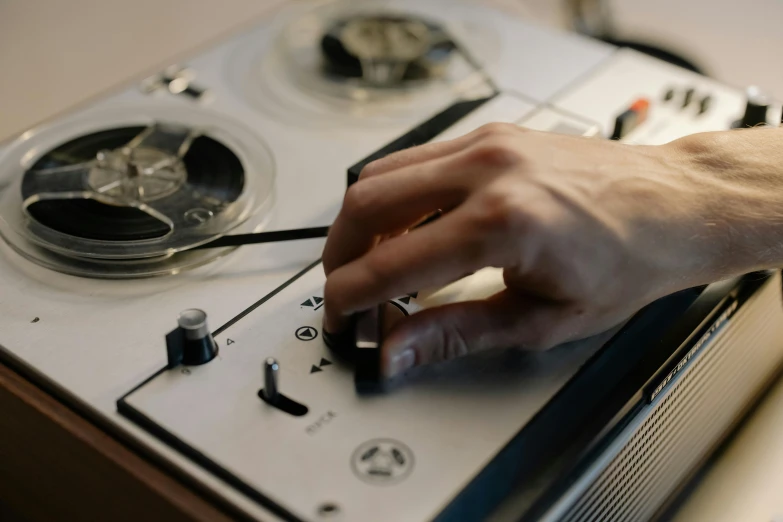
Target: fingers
[
  {"x": 415, "y": 182},
  {"x": 505, "y": 320},
  {"x": 386, "y": 204},
  {"x": 414, "y": 155},
  {"x": 438, "y": 149},
  {"x": 433, "y": 255}
]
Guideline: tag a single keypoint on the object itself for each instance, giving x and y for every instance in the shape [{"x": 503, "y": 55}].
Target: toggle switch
[
  {"x": 270, "y": 380},
  {"x": 704, "y": 104},
  {"x": 757, "y": 106},
  {"x": 271, "y": 395},
  {"x": 687, "y": 97},
  {"x": 630, "y": 119}
]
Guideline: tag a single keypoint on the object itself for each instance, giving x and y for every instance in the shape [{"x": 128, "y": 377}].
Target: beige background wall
[{"x": 57, "y": 53}]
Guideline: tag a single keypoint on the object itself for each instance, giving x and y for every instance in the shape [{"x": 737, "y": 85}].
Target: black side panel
[{"x": 545, "y": 457}]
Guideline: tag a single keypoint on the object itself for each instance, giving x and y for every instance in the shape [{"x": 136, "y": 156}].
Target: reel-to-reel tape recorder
[{"x": 201, "y": 193}]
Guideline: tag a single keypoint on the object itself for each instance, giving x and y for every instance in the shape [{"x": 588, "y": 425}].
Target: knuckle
[
  {"x": 495, "y": 152},
  {"x": 358, "y": 202},
  {"x": 372, "y": 168},
  {"x": 497, "y": 129},
  {"x": 499, "y": 212}
]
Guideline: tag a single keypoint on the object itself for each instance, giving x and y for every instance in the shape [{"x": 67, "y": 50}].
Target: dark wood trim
[{"x": 55, "y": 465}]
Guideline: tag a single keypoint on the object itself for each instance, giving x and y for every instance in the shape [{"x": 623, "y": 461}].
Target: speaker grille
[{"x": 668, "y": 437}]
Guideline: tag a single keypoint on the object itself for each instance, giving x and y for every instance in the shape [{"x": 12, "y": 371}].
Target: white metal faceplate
[
  {"x": 447, "y": 420},
  {"x": 98, "y": 339},
  {"x": 631, "y": 75}
]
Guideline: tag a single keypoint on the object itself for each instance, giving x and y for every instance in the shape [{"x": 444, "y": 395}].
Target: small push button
[
  {"x": 631, "y": 118},
  {"x": 687, "y": 98},
  {"x": 704, "y": 104}
]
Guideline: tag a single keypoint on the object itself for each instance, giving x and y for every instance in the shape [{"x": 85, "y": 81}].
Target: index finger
[
  {"x": 436, "y": 254},
  {"x": 385, "y": 204}
]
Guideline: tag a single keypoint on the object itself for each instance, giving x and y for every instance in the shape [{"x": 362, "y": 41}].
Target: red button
[{"x": 640, "y": 107}]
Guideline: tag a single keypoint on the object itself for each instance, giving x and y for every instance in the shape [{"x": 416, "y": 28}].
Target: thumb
[{"x": 504, "y": 320}]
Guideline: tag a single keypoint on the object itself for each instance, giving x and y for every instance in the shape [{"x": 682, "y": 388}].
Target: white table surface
[{"x": 55, "y": 55}]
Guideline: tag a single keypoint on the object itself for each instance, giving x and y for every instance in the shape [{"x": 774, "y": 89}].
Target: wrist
[{"x": 737, "y": 179}]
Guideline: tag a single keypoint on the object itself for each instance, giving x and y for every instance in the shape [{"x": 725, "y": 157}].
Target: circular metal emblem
[{"x": 382, "y": 461}]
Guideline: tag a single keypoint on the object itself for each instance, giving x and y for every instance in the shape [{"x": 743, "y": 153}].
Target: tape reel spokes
[
  {"x": 135, "y": 184},
  {"x": 370, "y": 63},
  {"x": 385, "y": 50},
  {"x": 165, "y": 189}
]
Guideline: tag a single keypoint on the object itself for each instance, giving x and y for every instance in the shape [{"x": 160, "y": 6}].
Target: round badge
[{"x": 382, "y": 461}]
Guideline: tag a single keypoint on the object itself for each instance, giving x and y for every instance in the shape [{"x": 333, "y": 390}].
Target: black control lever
[
  {"x": 277, "y": 236},
  {"x": 265, "y": 237}
]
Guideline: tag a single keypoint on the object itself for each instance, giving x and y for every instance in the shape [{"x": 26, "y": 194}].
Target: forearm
[{"x": 740, "y": 178}]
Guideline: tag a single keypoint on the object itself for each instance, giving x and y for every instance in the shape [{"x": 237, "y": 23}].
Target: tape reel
[
  {"x": 127, "y": 192},
  {"x": 369, "y": 63}
]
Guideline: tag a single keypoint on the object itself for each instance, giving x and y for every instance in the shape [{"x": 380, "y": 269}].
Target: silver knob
[
  {"x": 194, "y": 322},
  {"x": 192, "y": 343},
  {"x": 756, "y": 108},
  {"x": 271, "y": 390}
]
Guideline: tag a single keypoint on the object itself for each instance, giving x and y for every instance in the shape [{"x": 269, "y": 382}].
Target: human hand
[{"x": 586, "y": 231}]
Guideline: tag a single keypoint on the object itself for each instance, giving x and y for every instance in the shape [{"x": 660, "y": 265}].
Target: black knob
[
  {"x": 360, "y": 344},
  {"x": 191, "y": 343},
  {"x": 756, "y": 109}
]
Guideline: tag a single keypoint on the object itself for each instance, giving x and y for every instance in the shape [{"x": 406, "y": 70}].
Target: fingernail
[{"x": 401, "y": 362}]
